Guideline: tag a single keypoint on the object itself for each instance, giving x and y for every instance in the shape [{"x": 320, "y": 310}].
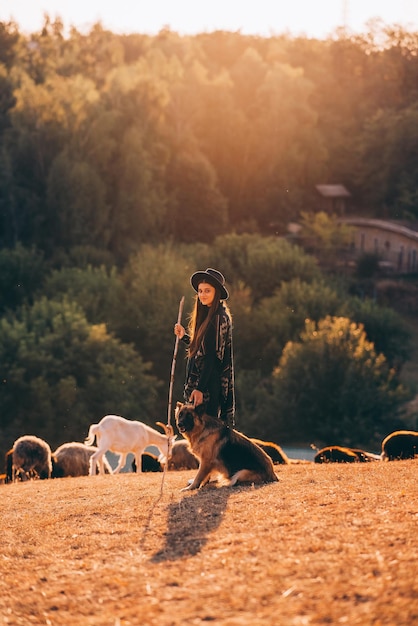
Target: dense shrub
[
  {"x": 59, "y": 373},
  {"x": 332, "y": 387}
]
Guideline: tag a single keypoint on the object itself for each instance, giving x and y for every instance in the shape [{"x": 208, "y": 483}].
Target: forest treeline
[
  {"x": 113, "y": 140},
  {"x": 129, "y": 161}
]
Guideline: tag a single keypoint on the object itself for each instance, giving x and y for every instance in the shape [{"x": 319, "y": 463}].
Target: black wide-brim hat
[{"x": 213, "y": 277}]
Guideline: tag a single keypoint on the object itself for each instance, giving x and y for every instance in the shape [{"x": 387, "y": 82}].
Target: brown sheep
[
  {"x": 149, "y": 463},
  {"x": 73, "y": 459},
  {"x": 336, "y": 454},
  {"x": 182, "y": 458},
  {"x": 9, "y": 466},
  {"x": 277, "y": 455},
  {"x": 365, "y": 457},
  {"x": 401, "y": 444},
  {"x": 339, "y": 454},
  {"x": 31, "y": 458}
]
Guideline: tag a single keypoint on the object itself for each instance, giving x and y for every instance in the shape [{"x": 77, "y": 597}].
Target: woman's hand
[
  {"x": 179, "y": 331},
  {"x": 196, "y": 397}
]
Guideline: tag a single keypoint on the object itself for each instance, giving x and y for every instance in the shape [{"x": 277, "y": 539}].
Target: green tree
[
  {"x": 290, "y": 155},
  {"x": 124, "y": 145},
  {"x": 384, "y": 327},
  {"x": 9, "y": 220},
  {"x": 139, "y": 206},
  {"x": 325, "y": 236},
  {"x": 332, "y": 387},
  {"x": 76, "y": 200},
  {"x": 96, "y": 290},
  {"x": 154, "y": 281},
  {"x": 9, "y": 36},
  {"x": 59, "y": 374},
  {"x": 262, "y": 263},
  {"x": 198, "y": 210},
  {"x": 7, "y": 99},
  {"x": 22, "y": 272},
  {"x": 221, "y": 129},
  {"x": 387, "y": 172},
  {"x": 263, "y": 330},
  {"x": 44, "y": 121}
]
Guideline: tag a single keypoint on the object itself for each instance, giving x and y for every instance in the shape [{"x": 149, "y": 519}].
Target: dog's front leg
[{"x": 201, "y": 476}]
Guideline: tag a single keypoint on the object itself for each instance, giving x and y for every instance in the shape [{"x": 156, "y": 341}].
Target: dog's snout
[
  {"x": 180, "y": 426},
  {"x": 182, "y": 420}
]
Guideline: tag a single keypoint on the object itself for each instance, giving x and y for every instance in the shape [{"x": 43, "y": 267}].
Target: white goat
[{"x": 122, "y": 436}]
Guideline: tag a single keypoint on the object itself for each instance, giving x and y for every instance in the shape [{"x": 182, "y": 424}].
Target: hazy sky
[{"x": 316, "y": 18}]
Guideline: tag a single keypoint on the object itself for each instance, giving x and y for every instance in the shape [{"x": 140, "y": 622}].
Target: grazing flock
[
  {"x": 31, "y": 457},
  {"x": 401, "y": 444}
]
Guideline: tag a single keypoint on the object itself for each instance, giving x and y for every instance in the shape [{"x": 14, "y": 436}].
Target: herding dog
[{"x": 222, "y": 450}]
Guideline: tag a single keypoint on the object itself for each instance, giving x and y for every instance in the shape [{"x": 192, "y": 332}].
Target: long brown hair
[{"x": 200, "y": 318}]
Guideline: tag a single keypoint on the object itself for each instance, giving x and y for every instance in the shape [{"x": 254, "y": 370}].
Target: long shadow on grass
[{"x": 191, "y": 521}]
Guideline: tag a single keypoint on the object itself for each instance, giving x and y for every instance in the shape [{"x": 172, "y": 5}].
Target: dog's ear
[
  {"x": 200, "y": 409},
  {"x": 177, "y": 409}
]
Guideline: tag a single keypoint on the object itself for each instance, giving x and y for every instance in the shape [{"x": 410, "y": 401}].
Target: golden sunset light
[{"x": 314, "y": 19}]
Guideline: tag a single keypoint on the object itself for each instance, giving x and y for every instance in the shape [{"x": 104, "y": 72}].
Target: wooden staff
[
  {"x": 173, "y": 364},
  {"x": 170, "y": 395}
]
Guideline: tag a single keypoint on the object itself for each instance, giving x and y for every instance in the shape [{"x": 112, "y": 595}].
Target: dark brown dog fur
[{"x": 222, "y": 450}]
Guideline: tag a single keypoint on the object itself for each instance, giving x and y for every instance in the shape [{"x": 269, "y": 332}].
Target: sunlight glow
[{"x": 262, "y": 17}]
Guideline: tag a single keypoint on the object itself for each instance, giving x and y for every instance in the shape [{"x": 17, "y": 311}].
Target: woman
[{"x": 210, "y": 366}]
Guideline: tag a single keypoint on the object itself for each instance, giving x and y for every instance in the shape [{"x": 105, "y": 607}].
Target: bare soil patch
[{"x": 327, "y": 544}]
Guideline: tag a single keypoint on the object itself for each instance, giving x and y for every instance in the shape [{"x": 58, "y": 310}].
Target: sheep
[
  {"x": 401, "y": 444},
  {"x": 73, "y": 459},
  {"x": 122, "y": 436},
  {"x": 9, "y": 466},
  {"x": 31, "y": 458},
  {"x": 340, "y": 454},
  {"x": 149, "y": 463},
  {"x": 336, "y": 454},
  {"x": 277, "y": 455},
  {"x": 365, "y": 457},
  {"x": 182, "y": 458}
]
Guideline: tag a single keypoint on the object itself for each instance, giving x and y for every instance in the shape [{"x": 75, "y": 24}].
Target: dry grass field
[{"x": 327, "y": 544}]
